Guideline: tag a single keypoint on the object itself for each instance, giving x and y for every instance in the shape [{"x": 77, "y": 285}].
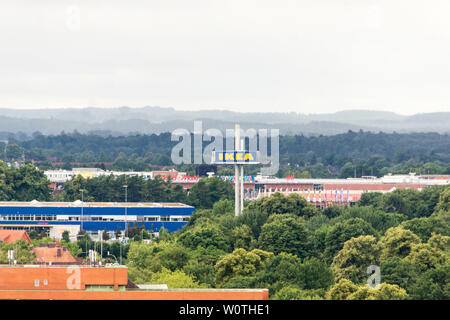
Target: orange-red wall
[
  {"x": 19, "y": 283},
  {"x": 23, "y": 278},
  {"x": 262, "y": 294}
]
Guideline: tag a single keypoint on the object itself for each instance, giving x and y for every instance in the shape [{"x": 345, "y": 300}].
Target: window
[{"x": 165, "y": 218}]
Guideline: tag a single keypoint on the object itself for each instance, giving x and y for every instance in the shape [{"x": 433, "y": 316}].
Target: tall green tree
[
  {"x": 343, "y": 231},
  {"x": 285, "y": 233},
  {"x": 208, "y": 191},
  {"x": 30, "y": 184},
  {"x": 241, "y": 263},
  {"x": 398, "y": 242},
  {"x": 355, "y": 257}
]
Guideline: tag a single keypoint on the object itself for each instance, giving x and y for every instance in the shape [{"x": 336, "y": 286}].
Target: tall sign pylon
[
  {"x": 238, "y": 173},
  {"x": 238, "y": 157}
]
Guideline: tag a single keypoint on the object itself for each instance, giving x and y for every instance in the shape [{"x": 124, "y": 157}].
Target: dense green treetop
[{"x": 352, "y": 261}]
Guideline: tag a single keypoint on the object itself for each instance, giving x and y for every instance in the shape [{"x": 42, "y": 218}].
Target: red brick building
[{"x": 99, "y": 283}]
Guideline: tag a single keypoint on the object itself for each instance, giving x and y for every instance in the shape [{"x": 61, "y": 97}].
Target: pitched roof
[
  {"x": 14, "y": 235},
  {"x": 54, "y": 254}
]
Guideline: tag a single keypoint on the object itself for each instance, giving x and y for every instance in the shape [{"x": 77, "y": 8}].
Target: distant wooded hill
[
  {"x": 147, "y": 120},
  {"x": 317, "y": 156}
]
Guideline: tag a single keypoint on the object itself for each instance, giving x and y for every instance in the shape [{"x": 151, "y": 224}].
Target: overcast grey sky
[{"x": 243, "y": 55}]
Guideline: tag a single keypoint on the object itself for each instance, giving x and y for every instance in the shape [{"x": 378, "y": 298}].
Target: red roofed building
[
  {"x": 54, "y": 253},
  {"x": 14, "y": 235}
]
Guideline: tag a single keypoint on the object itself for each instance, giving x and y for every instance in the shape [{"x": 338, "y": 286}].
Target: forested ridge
[{"x": 343, "y": 155}]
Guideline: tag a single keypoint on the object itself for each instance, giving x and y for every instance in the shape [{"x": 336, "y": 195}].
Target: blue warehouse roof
[{"x": 94, "y": 208}]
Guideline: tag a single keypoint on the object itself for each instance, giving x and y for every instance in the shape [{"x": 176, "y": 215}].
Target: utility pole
[
  {"x": 126, "y": 220},
  {"x": 82, "y": 205},
  {"x": 120, "y": 252},
  {"x": 101, "y": 245}
]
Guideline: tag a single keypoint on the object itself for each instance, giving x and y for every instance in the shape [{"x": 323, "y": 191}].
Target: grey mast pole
[
  {"x": 242, "y": 180},
  {"x": 236, "y": 171}
]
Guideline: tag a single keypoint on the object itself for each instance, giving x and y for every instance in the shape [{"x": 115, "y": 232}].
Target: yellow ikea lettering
[
  {"x": 248, "y": 156},
  {"x": 229, "y": 156}
]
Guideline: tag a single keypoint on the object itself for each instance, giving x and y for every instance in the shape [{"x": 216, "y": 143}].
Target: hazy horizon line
[{"x": 199, "y": 109}]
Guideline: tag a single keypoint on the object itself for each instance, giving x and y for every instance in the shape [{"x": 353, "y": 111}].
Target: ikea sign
[{"x": 235, "y": 157}]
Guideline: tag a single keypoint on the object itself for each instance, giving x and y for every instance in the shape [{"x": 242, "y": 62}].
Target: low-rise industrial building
[{"x": 93, "y": 217}]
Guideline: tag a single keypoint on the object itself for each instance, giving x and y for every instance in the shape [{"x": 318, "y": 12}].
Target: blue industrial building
[{"x": 56, "y": 217}]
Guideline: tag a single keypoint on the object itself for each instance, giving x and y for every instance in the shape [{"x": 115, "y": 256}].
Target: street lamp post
[
  {"x": 85, "y": 253},
  {"x": 109, "y": 254},
  {"x": 101, "y": 243},
  {"x": 86, "y": 250},
  {"x": 121, "y": 252}
]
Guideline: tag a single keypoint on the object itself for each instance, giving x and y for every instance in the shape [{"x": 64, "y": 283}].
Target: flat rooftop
[
  {"x": 79, "y": 203},
  {"x": 389, "y": 181},
  {"x": 55, "y": 265}
]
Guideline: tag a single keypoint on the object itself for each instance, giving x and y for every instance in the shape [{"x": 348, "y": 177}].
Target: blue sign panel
[{"x": 233, "y": 157}]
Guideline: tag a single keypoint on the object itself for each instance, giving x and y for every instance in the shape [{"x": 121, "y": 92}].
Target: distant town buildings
[
  {"x": 321, "y": 192},
  {"x": 62, "y": 176},
  {"x": 326, "y": 192}
]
